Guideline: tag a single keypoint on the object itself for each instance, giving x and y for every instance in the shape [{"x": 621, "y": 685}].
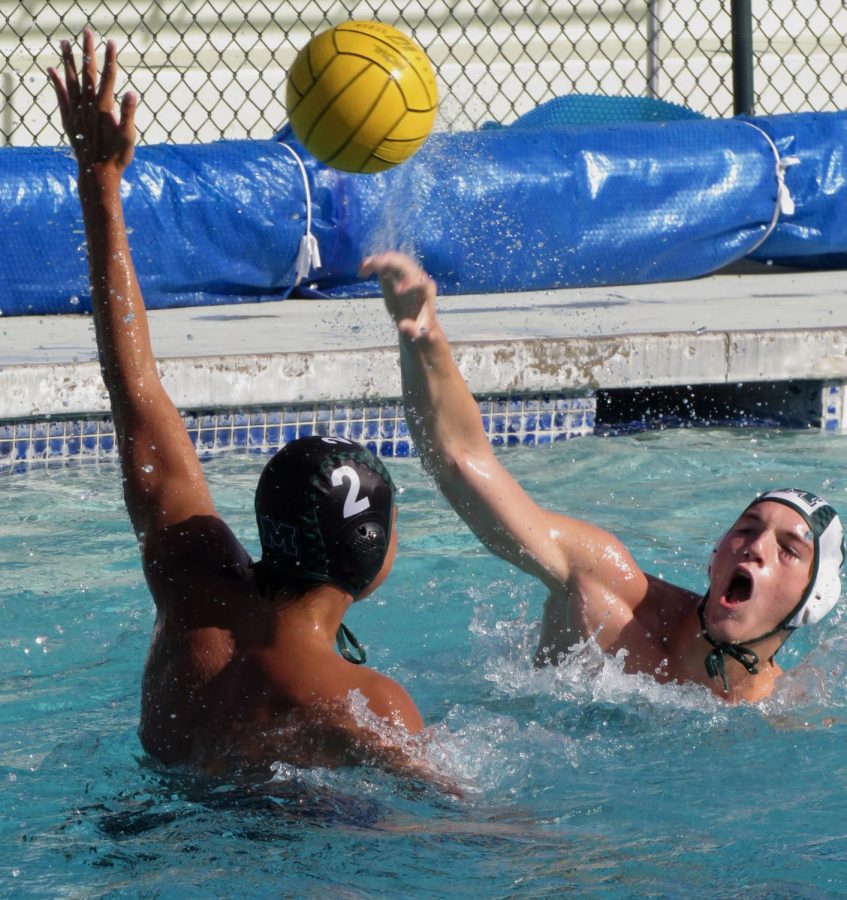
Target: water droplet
[
  {"x": 74, "y": 301},
  {"x": 148, "y": 468},
  {"x": 129, "y": 318},
  {"x": 701, "y": 330}
]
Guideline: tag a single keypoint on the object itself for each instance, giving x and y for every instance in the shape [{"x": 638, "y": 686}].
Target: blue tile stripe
[
  {"x": 833, "y": 407},
  {"x": 524, "y": 420}
]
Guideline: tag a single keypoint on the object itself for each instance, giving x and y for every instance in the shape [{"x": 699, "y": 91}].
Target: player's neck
[
  {"x": 742, "y": 685},
  {"x": 314, "y": 617}
]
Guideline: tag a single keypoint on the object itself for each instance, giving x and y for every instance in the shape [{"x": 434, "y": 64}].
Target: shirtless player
[
  {"x": 775, "y": 569},
  {"x": 242, "y": 664}
]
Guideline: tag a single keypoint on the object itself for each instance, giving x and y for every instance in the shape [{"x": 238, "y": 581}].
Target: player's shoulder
[
  {"x": 667, "y": 603},
  {"x": 200, "y": 575},
  {"x": 388, "y": 699},
  {"x": 198, "y": 549}
]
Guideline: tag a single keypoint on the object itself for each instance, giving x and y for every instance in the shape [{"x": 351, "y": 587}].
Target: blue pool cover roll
[
  {"x": 208, "y": 224},
  {"x": 500, "y": 209}
]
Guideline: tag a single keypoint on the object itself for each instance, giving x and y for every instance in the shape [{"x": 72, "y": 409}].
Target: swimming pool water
[{"x": 579, "y": 780}]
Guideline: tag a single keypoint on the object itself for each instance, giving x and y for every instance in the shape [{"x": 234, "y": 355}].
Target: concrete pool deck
[{"x": 751, "y": 324}]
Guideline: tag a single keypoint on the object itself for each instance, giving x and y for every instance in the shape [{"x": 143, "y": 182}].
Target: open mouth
[{"x": 739, "y": 590}]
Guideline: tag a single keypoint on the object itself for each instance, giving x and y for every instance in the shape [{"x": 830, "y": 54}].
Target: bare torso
[
  {"x": 648, "y": 631},
  {"x": 230, "y": 674}
]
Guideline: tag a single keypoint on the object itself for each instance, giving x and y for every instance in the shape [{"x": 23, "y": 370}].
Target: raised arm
[
  {"x": 446, "y": 426},
  {"x": 163, "y": 479}
]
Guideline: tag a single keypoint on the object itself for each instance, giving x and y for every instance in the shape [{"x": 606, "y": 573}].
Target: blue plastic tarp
[{"x": 500, "y": 209}]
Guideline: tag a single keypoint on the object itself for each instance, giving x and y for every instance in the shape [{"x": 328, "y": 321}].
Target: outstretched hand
[
  {"x": 103, "y": 144},
  {"x": 409, "y": 292}
]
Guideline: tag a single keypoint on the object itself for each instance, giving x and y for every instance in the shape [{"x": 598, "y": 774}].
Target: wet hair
[{"x": 324, "y": 511}]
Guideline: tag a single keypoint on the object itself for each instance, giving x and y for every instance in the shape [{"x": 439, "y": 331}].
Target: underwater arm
[{"x": 163, "y": 480}]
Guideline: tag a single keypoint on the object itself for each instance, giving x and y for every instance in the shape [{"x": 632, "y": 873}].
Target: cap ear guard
[
  {"x": 820, "y": 602},
  {"x": 824, "y": 589},
  {"x": 359, "y": 556}
]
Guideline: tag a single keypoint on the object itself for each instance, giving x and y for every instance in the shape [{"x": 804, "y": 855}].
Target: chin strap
[
  {"x": 341, "y": 638},
  {"x": 716, "y": 662},
  {"x": 716, "y": 658}
]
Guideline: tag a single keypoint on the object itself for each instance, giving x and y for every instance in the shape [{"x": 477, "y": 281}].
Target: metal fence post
[
  {"x": 654, "y": 63},
  {"x": 742, "y": 57}
]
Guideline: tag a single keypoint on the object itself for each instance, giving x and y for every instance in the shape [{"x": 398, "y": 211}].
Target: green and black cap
[{"x": 324, "y": 509}]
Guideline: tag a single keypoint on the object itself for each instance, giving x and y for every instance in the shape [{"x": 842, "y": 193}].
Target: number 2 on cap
[{"x": 352, "y": 504}]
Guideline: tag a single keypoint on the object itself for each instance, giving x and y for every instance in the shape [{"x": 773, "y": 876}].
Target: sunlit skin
[
  {"x": 770, "y": 549},
  {"x": 230, "y": 673},
  {"x": 595, "y": 587}
]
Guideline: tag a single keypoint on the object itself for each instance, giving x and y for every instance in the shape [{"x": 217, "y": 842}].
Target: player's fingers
[
  {"x": 106, "y": 88},
  {"x": 129, "y": 103},
  {"x": 371, "y": 265},
  {"x": 71, "y": 78},
  {"x": 62, "y": 97},
  {"x": 61, "y": 93},
  {"x": 89, "y": 66},
  {"x": 383, "y": 262}
]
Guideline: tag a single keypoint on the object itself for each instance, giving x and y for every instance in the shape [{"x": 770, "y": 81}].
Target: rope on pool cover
[
  {"x": 308, "y": 253},
  {"x": 309, "y": 257},
  {"x": 784, "y": 200}
]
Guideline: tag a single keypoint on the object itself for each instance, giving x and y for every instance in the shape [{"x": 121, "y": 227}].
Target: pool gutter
[{"x": 763, "y": 325}]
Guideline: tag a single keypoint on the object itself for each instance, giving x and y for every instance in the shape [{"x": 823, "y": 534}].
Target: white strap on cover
[
  {"x": 308, "y": 253},
  {"x": 784, "y": 200}
]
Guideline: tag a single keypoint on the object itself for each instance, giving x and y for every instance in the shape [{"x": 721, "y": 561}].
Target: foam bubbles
[{"x": 584, "y": 675}]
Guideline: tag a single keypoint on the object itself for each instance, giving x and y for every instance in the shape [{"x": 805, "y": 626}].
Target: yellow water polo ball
[{"x": 361, "y": 96}]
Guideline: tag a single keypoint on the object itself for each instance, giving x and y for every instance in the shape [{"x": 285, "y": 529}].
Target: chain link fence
[{"x": 210, "y": 69}]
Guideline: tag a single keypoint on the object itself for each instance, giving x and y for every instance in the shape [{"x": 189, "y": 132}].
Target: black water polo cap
[{"x": 324, "y": 508}]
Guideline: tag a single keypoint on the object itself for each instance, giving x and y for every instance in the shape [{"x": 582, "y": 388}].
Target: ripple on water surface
[{"x": 577, "y": 778}]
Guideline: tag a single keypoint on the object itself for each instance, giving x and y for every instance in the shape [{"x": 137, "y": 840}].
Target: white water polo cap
[{"x": 824, "y": 588}]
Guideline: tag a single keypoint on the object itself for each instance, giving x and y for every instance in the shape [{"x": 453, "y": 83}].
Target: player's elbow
[{"x": 459, "y": 469}]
